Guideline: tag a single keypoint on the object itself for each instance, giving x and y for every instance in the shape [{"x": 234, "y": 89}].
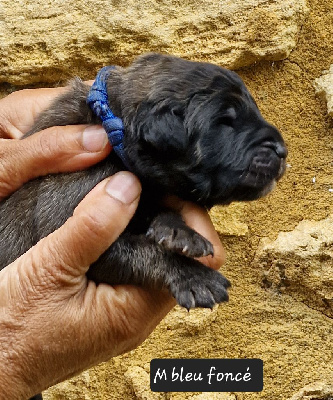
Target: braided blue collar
[{"x": 98, "y": 102}]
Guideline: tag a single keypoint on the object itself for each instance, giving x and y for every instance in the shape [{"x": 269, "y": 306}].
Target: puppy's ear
[{"x": 163, "y": 130}]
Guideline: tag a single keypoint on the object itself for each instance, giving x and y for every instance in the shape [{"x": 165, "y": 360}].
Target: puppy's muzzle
[{"x": 267, "y": 164}]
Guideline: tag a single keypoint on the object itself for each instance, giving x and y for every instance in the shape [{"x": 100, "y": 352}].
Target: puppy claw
[
  {"x": 209, "y": 251},
  {"x": 185, "y": 299},
  {"x": 150, "y": 233},
  {"x": 182, "y": 240},
  {"x": 161, "y": 240},
  {"x": 204, "y": 298},
  {"x": 199, "y": 287}
]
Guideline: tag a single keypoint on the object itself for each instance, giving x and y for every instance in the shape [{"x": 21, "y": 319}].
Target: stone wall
[
  {"x": 280, "y": 307},
  {"x": 49, "y": 40}
]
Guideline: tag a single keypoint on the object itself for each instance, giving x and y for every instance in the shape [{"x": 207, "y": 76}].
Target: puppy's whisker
[
  {"x": 245, "y": 175},
  {"x": 242, "y": 174}
]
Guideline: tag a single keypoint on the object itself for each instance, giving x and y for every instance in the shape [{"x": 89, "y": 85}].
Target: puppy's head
[{"x": 194, "y": 130}]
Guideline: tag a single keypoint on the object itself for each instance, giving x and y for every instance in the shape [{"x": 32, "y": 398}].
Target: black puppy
[{"x": 192, "y": 130}]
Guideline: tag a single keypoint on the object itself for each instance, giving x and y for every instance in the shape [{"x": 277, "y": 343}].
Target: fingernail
[
  {"x": 124, "y": 187},
  {"x": 94, "y": 138}
]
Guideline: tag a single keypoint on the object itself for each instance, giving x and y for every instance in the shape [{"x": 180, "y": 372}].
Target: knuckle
[
  {"x": 93, "y": 226},
  {"x": 14, "y": 115},
  {"x": 8, "y": 109},
  {"x": 6, "y": 125},
  {"x": 3, "y": 125},
  {"x": 44, "y": 150},
  {"x": 10, "y": 176},
  {"x": 58, "y": 260},
  {"x": 45, "y": 255},
  {"x": 49, "y": 142},
  {"x": 5, "y": 156}
]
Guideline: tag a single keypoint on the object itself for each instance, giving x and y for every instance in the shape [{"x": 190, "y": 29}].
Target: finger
[
  {"x": 96, "y": 223},
  {"x": 19, "y": 110},
  {"x": 56, "y": 149},
  {"x": 198, "y": 219}
]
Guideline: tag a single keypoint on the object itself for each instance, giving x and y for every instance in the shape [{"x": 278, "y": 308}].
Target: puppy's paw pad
[{"x": 182, "y": 240}]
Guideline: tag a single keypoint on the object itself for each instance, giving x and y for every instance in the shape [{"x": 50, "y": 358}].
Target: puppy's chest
[
  {"x": 149, "y": 207},
  {"x": 57, "y": 196}
]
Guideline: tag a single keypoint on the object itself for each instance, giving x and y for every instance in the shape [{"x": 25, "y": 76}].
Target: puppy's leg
[
  {"x": 133, "y": 259},
  {"x": 170, "y": 231}
]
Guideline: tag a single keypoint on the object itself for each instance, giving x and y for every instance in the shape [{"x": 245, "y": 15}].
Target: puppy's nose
[{"x": 279, "y": 148}]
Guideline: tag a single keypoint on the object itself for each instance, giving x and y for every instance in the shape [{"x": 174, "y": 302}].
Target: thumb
[
  {"x": 96, "y": 223},
  {"x": 53, "y": 150}
]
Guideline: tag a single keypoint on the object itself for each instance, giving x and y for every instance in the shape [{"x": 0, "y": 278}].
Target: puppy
[{"x": 191, "y": 130}]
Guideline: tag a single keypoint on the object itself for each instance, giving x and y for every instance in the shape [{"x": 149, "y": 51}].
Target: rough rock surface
[
  {"x": 292, "y": 339},
  {"x": 228, "y": 220},
  {"x": 139, "y": 380},
  {"x": 324, "y": 88},
  {"x": 315, "y": 391},
  {"x": 78, "y": 389},
  {"x": 211, "y": 396},
  {"x": 48, "y": 41},
  {"x": 300, "y": 263},
  {"x": 193, "y": 322}
]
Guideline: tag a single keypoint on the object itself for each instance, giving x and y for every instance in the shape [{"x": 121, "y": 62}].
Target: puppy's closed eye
[{"x": 227, "y": 118}]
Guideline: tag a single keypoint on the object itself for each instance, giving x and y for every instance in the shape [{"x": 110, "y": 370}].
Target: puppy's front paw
[
  {"x": 200, "y": 287},
  {"x": 181, "y": 239}
]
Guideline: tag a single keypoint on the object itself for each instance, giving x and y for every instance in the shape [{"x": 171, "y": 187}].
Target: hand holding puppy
[{"x": 55, "y": 323}]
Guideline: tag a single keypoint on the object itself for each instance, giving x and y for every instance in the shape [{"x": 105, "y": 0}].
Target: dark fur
[{"x": 192, "y": 130}]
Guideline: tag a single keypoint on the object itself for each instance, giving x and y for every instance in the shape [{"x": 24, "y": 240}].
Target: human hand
[
  {"x": 65, "y": 149},
  {"x": 55, "y": 323},
  {"x": 57, "y": 149}
]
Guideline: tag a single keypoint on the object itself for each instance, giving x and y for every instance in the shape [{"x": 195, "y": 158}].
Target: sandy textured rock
[
  {"x": 51, "y": 40},
  {"x": 213, "y": 396},
  {"x": 193, "y": 321},
  {"x": 301, "y": 263},
  {"x": 139, "y": 380},
  {"x": 324, "y": 88},
  {"x": 77, "y": 388},
  {"x": 315, "y": 391},
  {"x": 203, "y": 396},
  {"x": 228, "y": 220}
]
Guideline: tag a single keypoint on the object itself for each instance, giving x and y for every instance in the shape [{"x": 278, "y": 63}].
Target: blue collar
[{"x": 98, "y": 101}]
